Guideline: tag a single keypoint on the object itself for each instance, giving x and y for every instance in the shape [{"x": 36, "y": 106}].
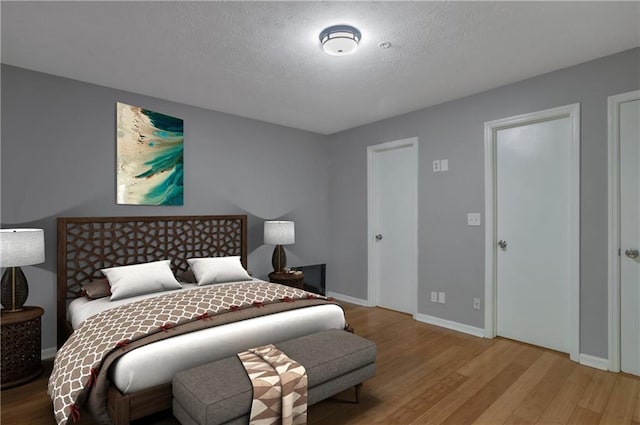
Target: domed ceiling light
[{"x": 340, "y": 40}]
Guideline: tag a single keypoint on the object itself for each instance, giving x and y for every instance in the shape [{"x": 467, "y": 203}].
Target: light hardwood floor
[{"x": 429, "y": 375}]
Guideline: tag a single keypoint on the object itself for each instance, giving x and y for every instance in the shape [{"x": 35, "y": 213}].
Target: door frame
[
  {"x": 372, "y": 190},
  {"x": 490, "y": 130},
  {"x": 613, "y": 116}
]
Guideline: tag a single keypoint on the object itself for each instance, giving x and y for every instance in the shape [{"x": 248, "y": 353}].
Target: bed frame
[{"x": 88, "y": 244}]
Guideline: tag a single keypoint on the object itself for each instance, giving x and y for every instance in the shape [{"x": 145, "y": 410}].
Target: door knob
[
  {"x": 378, "y": 237},
  {"x": 502, "y": 244},
  {"x": 631, "y": 253}
]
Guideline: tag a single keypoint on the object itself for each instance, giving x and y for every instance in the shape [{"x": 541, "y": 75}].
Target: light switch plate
[
  {"x": 436, "y": 166},
  {"x": 473, "y": 219},
  {"x": 444, "y": 165}
]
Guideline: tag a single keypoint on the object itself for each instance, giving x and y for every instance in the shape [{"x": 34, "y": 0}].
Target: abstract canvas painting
[{"x": 150, "y": 157}]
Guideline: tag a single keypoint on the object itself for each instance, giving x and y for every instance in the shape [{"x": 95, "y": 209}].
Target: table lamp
[
  {"x": 18, "y": 247},
  {"x": 279, "y": 233}
]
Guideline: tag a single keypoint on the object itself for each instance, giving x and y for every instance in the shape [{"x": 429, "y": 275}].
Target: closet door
[
  {"x": 533, "y": 222},
  {"x": 629, "y": 122},
  {"x": 393, "y": 224},
  {"x": 532, "y": 250}
]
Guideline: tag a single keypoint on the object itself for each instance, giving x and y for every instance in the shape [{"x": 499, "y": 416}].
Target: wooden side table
[
  {"x": 293, "y": 279},
  {"x": 21, "y": 347}
]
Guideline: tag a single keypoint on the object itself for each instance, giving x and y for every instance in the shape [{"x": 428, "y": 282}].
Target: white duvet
[{"x": 156, "y": 363}]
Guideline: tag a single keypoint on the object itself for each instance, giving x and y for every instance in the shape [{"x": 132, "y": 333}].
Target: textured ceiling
[{"x": 262, "y": 60}]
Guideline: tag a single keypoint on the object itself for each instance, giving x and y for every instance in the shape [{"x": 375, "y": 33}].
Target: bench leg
[{"x": 358, "y": 388}]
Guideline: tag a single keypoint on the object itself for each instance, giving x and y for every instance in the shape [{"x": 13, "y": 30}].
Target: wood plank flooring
[{"x": 429, "y": 375}]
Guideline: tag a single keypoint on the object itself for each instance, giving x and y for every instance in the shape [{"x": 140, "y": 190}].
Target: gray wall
[
  {"x": 451, "y": 254},
  {"x": 58, "y": 159}
]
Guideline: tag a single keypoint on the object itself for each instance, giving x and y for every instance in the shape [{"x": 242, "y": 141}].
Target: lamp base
[
  {"x": 13, "y": 289},
  {"x": 279, "y": 259}
]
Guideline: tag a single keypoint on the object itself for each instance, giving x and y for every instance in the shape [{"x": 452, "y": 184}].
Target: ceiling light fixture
[{"x": 340, "y": 40}]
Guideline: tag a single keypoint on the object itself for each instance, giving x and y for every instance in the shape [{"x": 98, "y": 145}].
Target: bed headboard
[{"x": 88, "y": 244}]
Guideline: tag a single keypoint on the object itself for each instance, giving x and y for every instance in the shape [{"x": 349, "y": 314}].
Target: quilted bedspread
[{"x": 79, "y": 370}]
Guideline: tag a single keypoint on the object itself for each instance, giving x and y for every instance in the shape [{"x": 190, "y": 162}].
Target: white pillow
[
  {"x": 218, "y": 270},
  {"x": 138, "y": 279}
]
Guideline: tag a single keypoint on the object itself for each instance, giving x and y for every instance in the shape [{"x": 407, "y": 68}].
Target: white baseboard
[
  {"x": 348, "y": 299},
  {"x": 593, "y": 361},
  {"x": 48, "y": 353},
  {"x": 449, "y": 324}
]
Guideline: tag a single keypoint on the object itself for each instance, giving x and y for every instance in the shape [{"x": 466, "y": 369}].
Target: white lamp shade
[
  {"x": 21, "y": 247},
  {"x": 279, "y": 232}
]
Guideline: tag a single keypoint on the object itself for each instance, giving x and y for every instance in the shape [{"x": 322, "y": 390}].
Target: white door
[
  {"x": 393, "y": 224},
  {"x": 534, "y": 221},
  {"x": 630, "y": 237}
]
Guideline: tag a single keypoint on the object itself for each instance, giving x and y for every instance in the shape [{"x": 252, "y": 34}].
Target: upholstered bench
[{"x": 221, "y": 392}]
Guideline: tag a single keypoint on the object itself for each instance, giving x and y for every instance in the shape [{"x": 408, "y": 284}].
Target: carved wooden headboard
[{"x": 88, "y": 244}]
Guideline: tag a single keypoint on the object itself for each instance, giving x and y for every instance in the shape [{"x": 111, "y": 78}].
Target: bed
[{"x": 88, "y": 244}]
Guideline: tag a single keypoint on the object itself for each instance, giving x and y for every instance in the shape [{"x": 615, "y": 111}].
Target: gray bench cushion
[{"x": 221, "y": 391}]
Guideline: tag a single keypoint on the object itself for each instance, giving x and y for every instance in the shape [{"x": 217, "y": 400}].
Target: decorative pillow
[
  {"x": 98, "y": 288},
  {"x": 218, "y": 270},
  {"x": 186, "y": 276},
  {"x": 138, "y": 279}
]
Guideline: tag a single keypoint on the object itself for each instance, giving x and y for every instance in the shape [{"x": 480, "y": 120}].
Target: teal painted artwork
[{"x": 150, "y": 157}]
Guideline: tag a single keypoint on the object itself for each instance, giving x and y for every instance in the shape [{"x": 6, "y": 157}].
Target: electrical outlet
[
  {"x": 476, "y": 303},
  {"x": 473, "y": 219},
  {"x": 434, "y": 297},
  {"x": 441, "y": 297},
  {"x": 436, "y": 166},
  {"x": 444, "y": 165}
]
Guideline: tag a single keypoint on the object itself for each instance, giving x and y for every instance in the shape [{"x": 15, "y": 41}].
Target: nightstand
[
  {"x": 21, "y": 347},
  {"x": 295, "y": 279}
]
